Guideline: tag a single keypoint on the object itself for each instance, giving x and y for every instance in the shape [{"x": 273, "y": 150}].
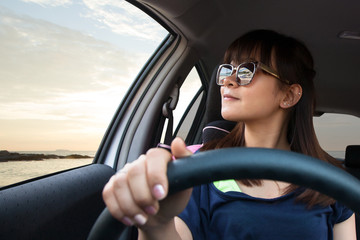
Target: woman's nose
[{"x": 231, "y": 81}]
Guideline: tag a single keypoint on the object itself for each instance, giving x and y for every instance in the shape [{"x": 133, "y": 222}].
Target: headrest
[
  {"x": 213, "y": 100},
  {"x": 352, "y": 156},
  {"x": 216, "y": 130}
]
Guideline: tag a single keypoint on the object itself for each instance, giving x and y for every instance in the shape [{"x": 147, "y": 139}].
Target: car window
[
  {"x": 189, "y": 100},
  {"x": 336, "y": 131},
  {"x": 64, "y": 69}
]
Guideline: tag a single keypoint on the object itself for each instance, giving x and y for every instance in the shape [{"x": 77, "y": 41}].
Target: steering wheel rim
[{"x": 248, "y": 163}]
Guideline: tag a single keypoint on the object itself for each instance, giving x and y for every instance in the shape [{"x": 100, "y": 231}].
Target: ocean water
[{"x": 16, "y": 171}]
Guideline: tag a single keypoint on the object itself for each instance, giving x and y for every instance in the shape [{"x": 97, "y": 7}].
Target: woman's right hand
[{"x": 137, "y": 194}]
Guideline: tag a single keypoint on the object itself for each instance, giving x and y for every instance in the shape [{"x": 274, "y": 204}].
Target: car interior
[{"x": 65, "y": 205}]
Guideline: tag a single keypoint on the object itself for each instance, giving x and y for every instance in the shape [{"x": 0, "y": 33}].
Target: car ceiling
[{"x": 211, "y": 25}]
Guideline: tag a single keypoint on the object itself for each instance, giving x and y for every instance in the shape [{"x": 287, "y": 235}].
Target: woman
[{"x": 267, "y": 87}]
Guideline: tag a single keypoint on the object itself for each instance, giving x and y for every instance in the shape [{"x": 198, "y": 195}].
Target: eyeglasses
[{"x": 244, "y": 72}]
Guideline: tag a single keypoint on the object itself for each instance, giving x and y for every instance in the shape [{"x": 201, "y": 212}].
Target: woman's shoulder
[{"x": 340, "y": 212}]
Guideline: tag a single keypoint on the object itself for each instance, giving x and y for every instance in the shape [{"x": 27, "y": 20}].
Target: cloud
[
  {"x": 50, "y": 3},
  {"x": 52, "y": 76},
  {"x": 124, "y": 19},
  {"x": 38, "y": 56},
  {"x": 119, "y": 16},
  {"x": 63, "y": 85}
]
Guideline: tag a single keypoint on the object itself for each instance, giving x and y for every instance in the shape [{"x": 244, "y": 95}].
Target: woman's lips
[{"x": 229, "y": 97}]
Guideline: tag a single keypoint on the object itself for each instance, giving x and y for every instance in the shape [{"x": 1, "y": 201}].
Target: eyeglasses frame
[{"x": 256, "y": 64}]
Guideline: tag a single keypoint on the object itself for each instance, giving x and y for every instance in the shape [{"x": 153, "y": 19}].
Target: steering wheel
[{"x": 248, "y": 163}]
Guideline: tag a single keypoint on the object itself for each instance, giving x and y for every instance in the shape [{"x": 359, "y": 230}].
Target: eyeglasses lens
[
  {"x": 244, "y": 76},
  {"x": 245, "y": 73},
  {"x": 224, "y": 72}
]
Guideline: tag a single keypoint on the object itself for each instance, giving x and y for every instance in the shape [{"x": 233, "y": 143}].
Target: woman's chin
[{"x": 230, "y": 116}]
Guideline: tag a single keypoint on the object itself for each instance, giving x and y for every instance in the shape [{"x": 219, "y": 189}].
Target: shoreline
[{"x": 6, "y": 156}]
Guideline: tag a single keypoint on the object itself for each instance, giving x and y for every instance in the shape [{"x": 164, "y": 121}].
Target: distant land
[{"x": 6, "y": 156}]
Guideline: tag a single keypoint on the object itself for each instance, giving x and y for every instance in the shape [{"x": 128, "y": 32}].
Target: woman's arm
[
  {"x": 182, "y": 228},
  {"x": 345, "y": 230},
  {"x": 174, "y": 230}
]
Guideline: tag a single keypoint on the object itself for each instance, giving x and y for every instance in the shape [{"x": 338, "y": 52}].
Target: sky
[{"x": 65, "y": 66}]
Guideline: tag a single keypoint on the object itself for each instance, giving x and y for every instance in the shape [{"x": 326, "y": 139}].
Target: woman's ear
[{"x": 292, "y": 96}]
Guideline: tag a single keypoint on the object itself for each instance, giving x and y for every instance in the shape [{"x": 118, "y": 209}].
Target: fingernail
[
  {"x": 127, "y": 221},
  {"x": 140, "y": 219},
  {"x": 150, "y": 210},
  {"x": 159, "y": 192}
]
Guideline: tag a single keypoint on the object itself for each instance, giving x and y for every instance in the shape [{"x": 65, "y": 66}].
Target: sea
[{"x": 17, "y": 171}]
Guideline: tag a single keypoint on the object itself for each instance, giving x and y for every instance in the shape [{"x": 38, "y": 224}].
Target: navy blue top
[{"x": 212, "y": 214}]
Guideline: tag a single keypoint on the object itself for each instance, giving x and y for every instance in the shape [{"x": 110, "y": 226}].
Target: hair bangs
[{"x": 251, "y": 47}]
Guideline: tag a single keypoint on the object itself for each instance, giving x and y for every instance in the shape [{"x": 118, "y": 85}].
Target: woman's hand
[{"x": 137, "y": 194}]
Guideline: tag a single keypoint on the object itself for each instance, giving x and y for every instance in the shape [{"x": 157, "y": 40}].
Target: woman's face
[{"x": 259, "y": 100}]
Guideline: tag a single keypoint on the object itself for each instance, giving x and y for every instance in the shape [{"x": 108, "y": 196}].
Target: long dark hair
[{"x": 294, "y": 63}]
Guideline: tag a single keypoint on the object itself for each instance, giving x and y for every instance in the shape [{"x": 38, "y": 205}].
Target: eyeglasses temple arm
[{"x": 271, "y": 72}]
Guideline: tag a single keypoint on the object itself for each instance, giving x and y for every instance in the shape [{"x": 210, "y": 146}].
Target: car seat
[
  {"x": 352, "y": 166},
  {"x": 352, "y": 160},
  {"x": 217, "y": 130}
]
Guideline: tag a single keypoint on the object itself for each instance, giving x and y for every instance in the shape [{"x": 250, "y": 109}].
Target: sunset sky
[
  {"x": 65, "y": 67},
  {"x": 66, "y": 64}
]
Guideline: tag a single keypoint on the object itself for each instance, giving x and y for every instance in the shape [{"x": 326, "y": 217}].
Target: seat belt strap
[{"x": 167, "y": 112}]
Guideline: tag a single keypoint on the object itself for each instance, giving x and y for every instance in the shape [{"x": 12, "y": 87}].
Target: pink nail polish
[
  {"x": 127, "y": 221},
  {"x": 140, "y": 219},
  {"x": 150, "y": 210},
  {"x": 159, "y": 192}
]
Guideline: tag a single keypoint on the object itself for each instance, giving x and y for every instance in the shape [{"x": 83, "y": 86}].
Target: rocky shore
[{"x": 6, "y": 156}]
